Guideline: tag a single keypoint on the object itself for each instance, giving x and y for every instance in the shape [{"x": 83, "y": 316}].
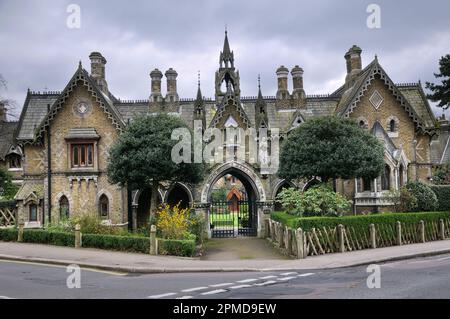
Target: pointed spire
[
  {"x": 259, "y": 88},
  {"x": 226, "y": 56},
  {"x": 226, "y": 45},
  {"x": 199, "y": 92}
]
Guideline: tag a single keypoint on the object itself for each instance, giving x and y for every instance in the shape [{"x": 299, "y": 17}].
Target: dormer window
[{"x": 15, "y": 162}]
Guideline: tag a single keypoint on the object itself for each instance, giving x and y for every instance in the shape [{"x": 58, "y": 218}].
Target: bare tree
[{"x": 8, "y": 104}]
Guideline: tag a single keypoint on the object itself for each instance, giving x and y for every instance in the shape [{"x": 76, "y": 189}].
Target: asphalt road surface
[{"x": 415, "y": 278}]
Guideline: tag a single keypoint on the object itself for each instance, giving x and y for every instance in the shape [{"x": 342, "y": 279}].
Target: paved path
[
  {"x": 141, "y": 263},
  {"x": 413, "y": 278},
  {"x": 240, "y": 249}
]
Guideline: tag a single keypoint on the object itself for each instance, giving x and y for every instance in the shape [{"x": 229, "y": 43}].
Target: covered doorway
[
  {"x": 233, "y": 210},
  {"x": 143, "y": 208}
]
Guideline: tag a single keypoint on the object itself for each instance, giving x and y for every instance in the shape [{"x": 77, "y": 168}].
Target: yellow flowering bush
[{"x": 173, "y": 222}]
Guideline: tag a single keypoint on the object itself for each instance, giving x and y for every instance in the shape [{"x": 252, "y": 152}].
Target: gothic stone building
[{"x": 63, "y": 139}]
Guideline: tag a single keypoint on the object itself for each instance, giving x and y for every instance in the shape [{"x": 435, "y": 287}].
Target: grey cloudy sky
[{"x": 39, "y": 51}]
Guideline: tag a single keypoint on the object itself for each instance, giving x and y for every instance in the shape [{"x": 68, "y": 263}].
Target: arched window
[
  {"x": 33, "y": 213},
  {"x": 392, "y": 125},
  {"x": 64, "y": 208},
  {"x": 366, "y": 185},
  {"x": 104, "y": 207},
  {"x": 385, "y": 178}
]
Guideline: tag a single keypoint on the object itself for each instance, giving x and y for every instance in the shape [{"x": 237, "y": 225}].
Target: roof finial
[
  {"x": 376, "y": 57},
  {"x": 198, "y": 76},
  {"x": 259, "y": 81},
  {"x": 80, "y": 65},
  {"x": 226, "y": 28}
]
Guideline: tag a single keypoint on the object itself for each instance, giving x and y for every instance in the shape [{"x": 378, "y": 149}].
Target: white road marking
[
  {"x": 288, "y": 274},
  {"x": 221, "y": 285},
  {"x": 285, "y": 278},
  {"x": 194, "y": 289},
  {"x": 240, "y": 286},
  {"x": 185, "y": 297},
  {"x": 162, "y": 295},
  {"x": 213, "y": 292},
  {"x": 247, "y": 280},
  {"x": 306, "y": 275},
  {"x": 268, "y": 277},
  {"x": 266, "y": 283}
]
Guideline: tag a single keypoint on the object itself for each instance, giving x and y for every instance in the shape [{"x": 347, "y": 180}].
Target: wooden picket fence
[
  {"x": 327, "y": 240},
  {"x": 8, "y": 213}
]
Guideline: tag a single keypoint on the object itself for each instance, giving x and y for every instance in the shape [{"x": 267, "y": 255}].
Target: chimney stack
[
  {"x": 171, "y": 76},
  {"x": 354, "y": 64},
  {"x": 156, "y": 76},
  {"x": 98, "y": 73},
  {"x": 282, "y": 75},
  {"x": 2, "y": 112},
  {"x": 297, "y": 80}
]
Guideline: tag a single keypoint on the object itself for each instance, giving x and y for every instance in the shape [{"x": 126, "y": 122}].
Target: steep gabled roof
[
  {"x": 7, "y": 130},
  {"x": 102, "y": 99},
  {"x": 351, "y": 97},
  {"x": 230, "y": 100}
]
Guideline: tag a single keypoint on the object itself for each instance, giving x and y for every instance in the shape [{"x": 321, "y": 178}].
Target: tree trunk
[{"x": 154, "y": 200}]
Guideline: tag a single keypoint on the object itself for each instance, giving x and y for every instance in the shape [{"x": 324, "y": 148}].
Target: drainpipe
[{"x": 49, "y": 172}]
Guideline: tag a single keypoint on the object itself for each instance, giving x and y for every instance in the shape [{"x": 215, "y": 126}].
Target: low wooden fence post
[
  {"x": 20, "y": 233},
  {"x": 300, "y": 244},
  {"x": 280, "y": 234},
  {"x": 441, "y": 229},
  {"x": 78, "y": 236},
  {"x": 399, "y": 233},
  {"x": 286, "y": 239},
  {"x": 153, "y": 241},
  {"x": 341, "y": 239},
  {"x": 422, "y": 231},
  {"x": 373, "y": 236}
]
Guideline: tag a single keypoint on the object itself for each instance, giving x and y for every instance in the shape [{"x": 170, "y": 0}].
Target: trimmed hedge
[
  {"x": 358, "y": 221},
  {"x": 443, "y": 194},
  {"x": 185, "y": 247},
  {"x": 113, "y": 242},
  {"x": 8, "y": 234},
  {"x": 39, "y": 236}
]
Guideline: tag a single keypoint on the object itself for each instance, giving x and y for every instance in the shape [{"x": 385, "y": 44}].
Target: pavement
[{"x": 146, "y": 264}]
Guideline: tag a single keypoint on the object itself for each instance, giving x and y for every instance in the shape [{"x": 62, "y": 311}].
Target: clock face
[{"x": 82, "y": 108}]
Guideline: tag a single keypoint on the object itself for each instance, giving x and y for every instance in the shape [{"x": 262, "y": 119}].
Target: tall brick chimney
[
  {"x": 156, "y": 76},
  {"x": 297, "y": 81},
  {"x": 98, "y": 72},
  {"x": 282, "y": 75},
  {"x": 171, "y": 76},
  {"x": 354, "y": 64}
]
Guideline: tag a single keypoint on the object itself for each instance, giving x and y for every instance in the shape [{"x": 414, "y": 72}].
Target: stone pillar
[
  {"x": 373, "y": 236},
  {"x": 78, "y": 235},
  {"x": 134, "y": 212},
  {"x": 399, "y": 233},
  {"x": 299, "y": 237},
  {"x": 20, "y": 233},
  {"x": 422, "y": 231},
  {"x": 341, "y": 238},
  {"x": 153, "y": 241},
  {"x": 441, "y": 229}
]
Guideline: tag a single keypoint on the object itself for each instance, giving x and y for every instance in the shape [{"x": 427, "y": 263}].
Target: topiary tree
[
  {"x": 141, "y": 157},
  {"x": 331, "y": 147},
  {"x": 426, "y": 198}
]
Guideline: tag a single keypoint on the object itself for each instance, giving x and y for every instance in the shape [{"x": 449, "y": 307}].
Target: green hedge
[
  {"x": 443, "y": 194},
  {"x": 184, "y": 247},
  {"x": 121, "y": 243},
  {"x": 39, "y": 236},
  {"x": 306, "y": 223},
  {"x": 8, "y": 234}
]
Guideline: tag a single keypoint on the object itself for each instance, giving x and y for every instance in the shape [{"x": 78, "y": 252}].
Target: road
[{"x": 415, "y": 278}]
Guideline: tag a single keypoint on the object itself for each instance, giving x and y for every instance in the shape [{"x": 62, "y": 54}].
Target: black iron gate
[{"x": 233, "y": 218}]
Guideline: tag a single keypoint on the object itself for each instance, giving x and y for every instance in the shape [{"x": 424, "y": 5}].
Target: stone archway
[
  {"x": 141, "y": 207},
  {"x": 247, "y": 221},
  {"x": 179, "y": 193},
  {"x": 282, "y": 184}
]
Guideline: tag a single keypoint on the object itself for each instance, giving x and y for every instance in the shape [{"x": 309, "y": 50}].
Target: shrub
[
  {"x": 443, "y": 195},
  {"x": 8, "y": 234},
  {"x": 137, "y": 244},
  {"x": 175, "y": 247},
  {"x": 173, "y": 222},
  {"x": 306, "y": 223},
  {"x": 319, "y": 200},
  {"x": 442, "y": 174},
  {"x": 89, "y": 223},
  {"x": 426, "y": 198},
  {"x": 403, "y": 199},
  {"x": 39, "y": 236}
]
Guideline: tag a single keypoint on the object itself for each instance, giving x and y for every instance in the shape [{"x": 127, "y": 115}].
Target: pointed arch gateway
[{"x": 235, "y": 215}]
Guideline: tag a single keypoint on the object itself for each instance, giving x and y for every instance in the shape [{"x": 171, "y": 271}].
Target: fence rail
[
  {"x": 8, "y": 212},
  {"x": 328, "y": 240}
]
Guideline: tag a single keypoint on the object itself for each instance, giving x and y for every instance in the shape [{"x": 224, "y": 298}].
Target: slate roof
[
  {"x": 7, "y": 130},
  {"x": 30, "y": 187}
]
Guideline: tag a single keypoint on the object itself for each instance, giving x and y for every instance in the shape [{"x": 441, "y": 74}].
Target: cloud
[{"x": 138, "y": 36}]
